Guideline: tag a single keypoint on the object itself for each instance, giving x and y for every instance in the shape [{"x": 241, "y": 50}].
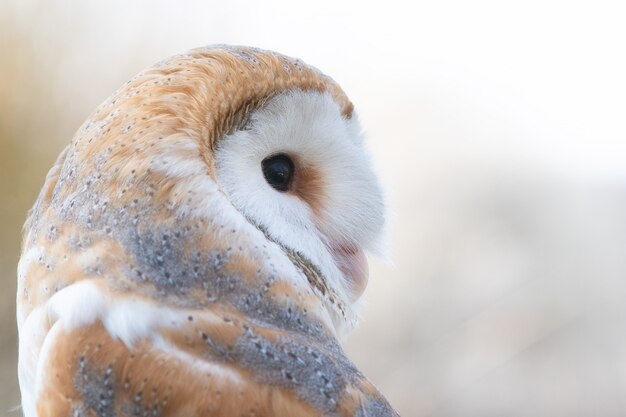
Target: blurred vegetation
[{"x": 26, "y": 112}]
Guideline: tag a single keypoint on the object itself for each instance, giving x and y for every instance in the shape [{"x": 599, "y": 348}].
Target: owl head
[{"x": 232, "y": 149}]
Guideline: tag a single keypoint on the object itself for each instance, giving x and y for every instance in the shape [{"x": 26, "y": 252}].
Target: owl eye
[{"x": 278, "y": 171}]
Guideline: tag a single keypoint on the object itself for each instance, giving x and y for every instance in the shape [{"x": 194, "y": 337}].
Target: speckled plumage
[{"x": 143, "y": 290}]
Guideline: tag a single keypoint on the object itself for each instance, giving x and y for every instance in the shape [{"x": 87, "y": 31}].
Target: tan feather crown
[{"x": 231, "y": 81}]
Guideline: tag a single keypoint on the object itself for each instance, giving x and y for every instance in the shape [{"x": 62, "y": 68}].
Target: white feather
[
  {"x": 32, "y": 334},
  {"x": 77, "y": 305}
]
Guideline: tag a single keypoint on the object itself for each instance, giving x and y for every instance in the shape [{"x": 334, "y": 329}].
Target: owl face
[{"x": 300, "y": 172}]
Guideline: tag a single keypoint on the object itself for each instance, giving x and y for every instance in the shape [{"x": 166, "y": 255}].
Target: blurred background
[{"x": 498, "y": 128}]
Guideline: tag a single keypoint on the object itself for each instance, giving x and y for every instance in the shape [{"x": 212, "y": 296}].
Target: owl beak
[{"x": 352, "y": 262}]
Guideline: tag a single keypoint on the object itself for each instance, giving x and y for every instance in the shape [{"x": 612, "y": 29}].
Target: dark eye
[{"x": 278, "y": 171}]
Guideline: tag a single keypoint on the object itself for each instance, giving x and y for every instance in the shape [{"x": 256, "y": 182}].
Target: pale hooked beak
[{"x": 352, "y": 262}]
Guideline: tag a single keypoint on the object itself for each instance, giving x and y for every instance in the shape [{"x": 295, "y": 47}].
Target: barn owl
[{"x": 198, "y": 248}]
